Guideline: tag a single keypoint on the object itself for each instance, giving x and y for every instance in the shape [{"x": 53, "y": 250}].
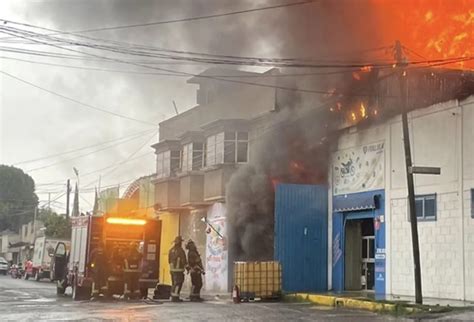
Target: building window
[
  {"x": 425, "y": 206},
  {"x": 227, "y": 147},
  {"x": 167, "y": 163},
  {"x": 215, "y": 149},
  {"x": 192, "y": 157}
]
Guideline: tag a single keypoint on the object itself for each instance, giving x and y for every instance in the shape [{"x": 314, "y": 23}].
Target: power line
[
  {"x": 80, "y": 149},
  {"x": 254, "y": 75},
  {"x": 250, "y": 61},
  {"x": 130, "y": 156},
  {"x": 85, "y": 154},
  {"x": 325, "y": 92},
  {"x": 75, "y": 101},
  {"x": 158, "y": 49},
  {"x": 194, "y": 18},
  {"x": 106, "y": 168}
]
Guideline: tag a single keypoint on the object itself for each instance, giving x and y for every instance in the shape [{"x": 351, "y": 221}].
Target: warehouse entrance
[
  {"x": 358, "y": 242},
  {"x": 359, "y": 255}
]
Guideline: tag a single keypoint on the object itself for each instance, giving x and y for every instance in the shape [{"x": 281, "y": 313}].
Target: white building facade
[{"x": 369, "y": 231}]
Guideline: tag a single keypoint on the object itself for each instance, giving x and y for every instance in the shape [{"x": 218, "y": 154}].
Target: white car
[{"x": 3, "y": 266}]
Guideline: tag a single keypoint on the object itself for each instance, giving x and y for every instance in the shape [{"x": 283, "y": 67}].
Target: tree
[
  {"x": 57, "y": 226},
  {"x": 17, "y": 198}
]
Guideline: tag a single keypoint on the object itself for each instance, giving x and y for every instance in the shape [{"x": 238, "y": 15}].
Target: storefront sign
[{"x": 359, "y": 169}]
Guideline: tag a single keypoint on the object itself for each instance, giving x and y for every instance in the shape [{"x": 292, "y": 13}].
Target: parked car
[{"x": 3, "y": 266}]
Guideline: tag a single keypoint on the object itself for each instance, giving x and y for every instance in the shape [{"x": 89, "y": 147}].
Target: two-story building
[{"x": 197, "y": 153}]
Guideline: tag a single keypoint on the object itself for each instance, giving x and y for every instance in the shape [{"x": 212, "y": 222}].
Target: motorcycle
[{"x": 16, "y": 271}]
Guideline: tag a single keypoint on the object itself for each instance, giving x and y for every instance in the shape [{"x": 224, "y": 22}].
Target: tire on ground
[{"x": 80, "y": 293}]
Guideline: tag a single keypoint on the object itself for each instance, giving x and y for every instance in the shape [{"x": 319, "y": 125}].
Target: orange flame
[
  {"x": 356, "y": 76},
  {"x": 429, "y": 29},
  {"x": 366, "y": 69},
  {"x": 362, "y": 110},
  {"x": 353, "y": 116}
]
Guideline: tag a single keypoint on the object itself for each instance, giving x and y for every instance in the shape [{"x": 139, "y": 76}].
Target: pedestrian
[
  {"x": 131, "y": 272},
  {"x": 98, "y": 265},
  {"x": 177, "y": 261},
  {"x": 196, "y": 269}
]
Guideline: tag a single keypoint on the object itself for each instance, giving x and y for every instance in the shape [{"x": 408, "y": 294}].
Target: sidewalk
[{"x": 389, "y": 304}]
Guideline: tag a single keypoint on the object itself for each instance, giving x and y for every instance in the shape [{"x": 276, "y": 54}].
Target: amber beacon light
[{"x": 126, "y": 221}]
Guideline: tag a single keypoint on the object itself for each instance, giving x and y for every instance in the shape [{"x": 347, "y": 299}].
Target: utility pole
[
  {"x": 401, "y": 63},
  {"x": 68, "y": 192},
  {"x": 34, "y": 223}
]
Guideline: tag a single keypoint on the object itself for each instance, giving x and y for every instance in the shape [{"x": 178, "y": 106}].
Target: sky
[{"x": 35, "y": 124}]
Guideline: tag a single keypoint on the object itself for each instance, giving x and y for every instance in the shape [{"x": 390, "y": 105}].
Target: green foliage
[
  {"x": 17, "y": 198},
  {"x": 57, "y": 226}
]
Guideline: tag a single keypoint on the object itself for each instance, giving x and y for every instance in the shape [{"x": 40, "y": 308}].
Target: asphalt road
[{"x": 37, "y": 301}]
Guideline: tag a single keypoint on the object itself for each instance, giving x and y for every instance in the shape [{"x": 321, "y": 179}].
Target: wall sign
[{"x": 359, "y": 169}]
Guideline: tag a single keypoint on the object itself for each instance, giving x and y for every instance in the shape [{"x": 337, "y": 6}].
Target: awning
[
  {"x": 18, "y": 244},
  {"x": 355, "y": 202}
]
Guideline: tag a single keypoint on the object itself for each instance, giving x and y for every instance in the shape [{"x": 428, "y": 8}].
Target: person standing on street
[
  {"x": 98, "y": 265},
  {"x": 196, "y": 270},
  {"x": 177, "y": 261},
  {"x": 131, "y": 271}
]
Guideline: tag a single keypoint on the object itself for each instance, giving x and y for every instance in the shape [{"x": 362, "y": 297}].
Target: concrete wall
[
  {"x": 215, "y": 181},
  {"x": 441, "y": 135},
  {"x": 242, "y": 102},
  {"x": 191, "y": 188},
  {"x": 167, "y": 193}
]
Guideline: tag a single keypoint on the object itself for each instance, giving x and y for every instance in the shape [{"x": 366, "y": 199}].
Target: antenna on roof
[{"x": 175, "y": 108}]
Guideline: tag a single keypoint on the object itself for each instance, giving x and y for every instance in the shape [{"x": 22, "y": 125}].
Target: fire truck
[{"x": 75, "y": 268}]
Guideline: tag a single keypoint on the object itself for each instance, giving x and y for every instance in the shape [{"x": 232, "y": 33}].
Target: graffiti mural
[{"x": 217, "y": 263}]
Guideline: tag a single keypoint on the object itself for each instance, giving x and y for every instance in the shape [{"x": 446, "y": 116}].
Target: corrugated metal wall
[{"x": 301, "y": 230}]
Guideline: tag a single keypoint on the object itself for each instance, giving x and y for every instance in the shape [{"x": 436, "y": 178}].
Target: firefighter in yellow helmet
[
  {"x": 131, "y": 272},
  {"x": 196, "y": 270},
  {"x": 177, "y": 261}
]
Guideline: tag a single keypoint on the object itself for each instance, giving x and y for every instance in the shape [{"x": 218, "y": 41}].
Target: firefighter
[
  {"x": 177, "y": 261},
  {"x": 131, "y": 272},
  {"x": 98, "y": 265},
  {"x": 196, "y": 270}
]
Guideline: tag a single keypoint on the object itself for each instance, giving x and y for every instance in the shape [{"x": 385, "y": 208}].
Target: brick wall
[
  {"x": 468, "y": 246},
  {"x": 440, "y": 250}
]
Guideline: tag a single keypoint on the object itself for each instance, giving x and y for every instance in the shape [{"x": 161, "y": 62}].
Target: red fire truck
[{"x": 113, "y": 232}]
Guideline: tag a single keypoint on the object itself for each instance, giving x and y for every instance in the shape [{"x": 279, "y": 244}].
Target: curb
[{"x": 351, "y": 303}]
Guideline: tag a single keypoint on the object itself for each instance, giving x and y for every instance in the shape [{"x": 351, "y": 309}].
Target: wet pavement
[{"x": 37, "y": 301}]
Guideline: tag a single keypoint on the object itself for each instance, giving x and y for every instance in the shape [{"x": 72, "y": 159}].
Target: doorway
[{"x": 359, "y": 254}]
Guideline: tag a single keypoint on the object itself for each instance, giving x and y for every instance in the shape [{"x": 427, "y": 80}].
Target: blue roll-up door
[{"x": 301, "y": 236}]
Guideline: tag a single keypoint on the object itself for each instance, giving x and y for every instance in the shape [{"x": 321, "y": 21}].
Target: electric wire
[
  {"x": 325, "y": 92},
  {"x": 85, "y": 154},
  {"x": 80, "y": 149},
  {"x": 74, "y": 100},
  {"x": 155, "y": 23}
]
